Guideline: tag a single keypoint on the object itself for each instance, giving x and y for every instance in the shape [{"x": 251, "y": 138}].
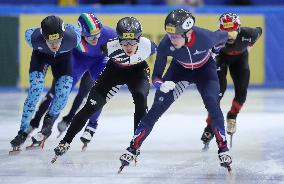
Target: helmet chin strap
[{"x": 186, "y": 37}]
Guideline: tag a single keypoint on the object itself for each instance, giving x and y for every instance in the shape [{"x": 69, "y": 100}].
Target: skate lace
[{"x": 127, "y": 157}]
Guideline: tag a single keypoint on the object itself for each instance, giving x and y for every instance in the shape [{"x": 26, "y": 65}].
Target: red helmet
[{"x": 229, "y": 22}]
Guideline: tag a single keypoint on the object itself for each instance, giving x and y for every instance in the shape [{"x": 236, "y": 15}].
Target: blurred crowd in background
[{"x": 142, "y": 2}]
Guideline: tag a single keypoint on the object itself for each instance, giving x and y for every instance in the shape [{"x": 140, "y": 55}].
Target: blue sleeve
[
  {"x": 219, "y": 40},
  {"x": 160, "y": 63},
  {"x": 112, "y": 34},
  {"x": 28, "y": 36},
  {"x": 77, "y": 30},
  {"x": 153, "y": 48}
]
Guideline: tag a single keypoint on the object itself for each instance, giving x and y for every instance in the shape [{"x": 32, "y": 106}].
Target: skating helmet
[
  {"x": 52, "y": 27},
  {"x": 128, "y": 28},
  {"x": 229, "y": 22},
  {"x": 89, "y": 24},
  {"x": 179, "y": 21}
]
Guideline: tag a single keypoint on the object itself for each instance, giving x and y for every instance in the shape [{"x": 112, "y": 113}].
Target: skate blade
[
  {"x": 231, "y": 140},
  {"x": 84, "y": 148},
  {"x": 120, "y": 169},
  {"x": 54, "y": 159},
  {"x": 43, "y": 143},
  {"x": 33, "y": 147},
  {"x": 135, "y": 162},
  {"x": 123, "y": 164},
  {"x": 205, "y": 148},
  {"x": 14, "y": 152},
  {"x": 228, "y": 167}
]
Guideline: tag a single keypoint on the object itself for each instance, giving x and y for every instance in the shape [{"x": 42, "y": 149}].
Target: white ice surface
[{"x": 171, "y": 154}]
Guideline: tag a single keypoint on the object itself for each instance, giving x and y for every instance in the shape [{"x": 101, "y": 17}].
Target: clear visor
[
  {"x": 57, "y": 41},
  {"x": 93, "y": 37},
  {"x": 128, "y": 42},
  {"x": 175, "y": 36}
]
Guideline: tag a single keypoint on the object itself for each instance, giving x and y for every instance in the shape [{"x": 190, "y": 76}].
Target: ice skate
[
  {"x": 37, "y": 142},
  {"x": 62, "y": 127},
  {"x": 60, "y": 150},
  {"x": 225, "y": 159},
  {"x": 206, "y": 137},
  {"x": 86, "y": 137},
  {"x": 136, "y": 156},
  {"x": 127, "y": 158},
  {"x": 17, "y": 142},
  {"x": 46, "y": 130},
  {"x": 231, "y": 126}
]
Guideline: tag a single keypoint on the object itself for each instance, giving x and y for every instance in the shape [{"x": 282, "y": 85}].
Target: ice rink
[{"x": 171, "y": 154}]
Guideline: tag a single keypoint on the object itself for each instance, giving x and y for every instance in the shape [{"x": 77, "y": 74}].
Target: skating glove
[{"x": 167, "y": 86}]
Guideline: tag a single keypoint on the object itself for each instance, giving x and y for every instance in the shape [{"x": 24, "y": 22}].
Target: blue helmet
[{"x": 90, "y": 24}]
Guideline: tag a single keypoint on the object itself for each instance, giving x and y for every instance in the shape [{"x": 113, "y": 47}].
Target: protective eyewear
[
  {"x": 175, "y": 36},
  {"x": 93, "y": 37},
  {"x": 128, "y": 42},
  {"x": 57, "y": 41}
]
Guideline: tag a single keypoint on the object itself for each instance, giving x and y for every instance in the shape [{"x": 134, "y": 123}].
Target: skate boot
[
  {"x": 62, "y": 126},
  {"x": 17, "y": 142},
  {"x": 225, "y": 158},
  {"x": 46, "y": 130},
  {"x": 37, "y": 141},
  {"x": 231, "y": 126},
  {"x": 128, "y": 157},
  {"x": 87, "y": 137},
  {"x": 60, "y": 150},
  {"x": 206, "y": 137},
  {"x": 231, "y": 123}
]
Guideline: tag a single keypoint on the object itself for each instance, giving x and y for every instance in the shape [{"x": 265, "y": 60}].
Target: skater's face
[
  {"x": 177, "y": 40},
  {"x": 54, "y": 45},
  {"x": 129, "y": 46},
  {"x": 92, "y": 40},
  {"x": 232, "y": 36}
]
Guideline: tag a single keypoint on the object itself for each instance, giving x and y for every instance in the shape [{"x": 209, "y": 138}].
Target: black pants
[
  {"x": 239, "y": 69},
  {"x": 106, "y": 86}
]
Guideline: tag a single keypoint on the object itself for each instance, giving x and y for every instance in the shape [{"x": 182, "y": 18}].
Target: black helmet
[
  {"x": 128, "y": 28},
  {"x": 179, "y": 21},
  {"x": 52, "y": 27}
]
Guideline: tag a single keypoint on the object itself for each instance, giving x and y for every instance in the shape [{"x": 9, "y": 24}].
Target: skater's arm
[
  {"x": 77, "y": 31},
  {"x": 159, "y": 66},
  {"x": 255, "y": 34},
  {"x": 153, "y": 48},
  {"x": 28, "y": 36}
]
